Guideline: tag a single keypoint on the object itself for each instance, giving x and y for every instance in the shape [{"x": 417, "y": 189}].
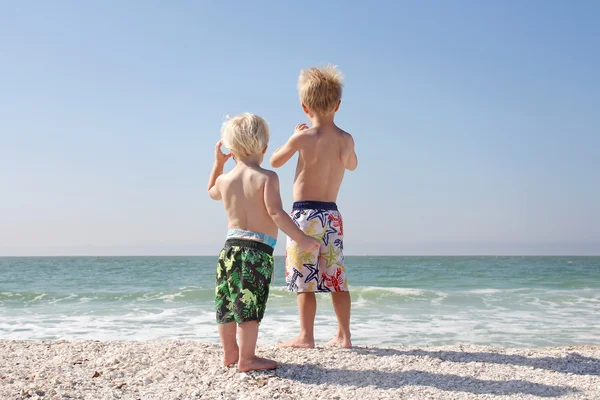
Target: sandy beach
[{"x": 193, "y": 370}]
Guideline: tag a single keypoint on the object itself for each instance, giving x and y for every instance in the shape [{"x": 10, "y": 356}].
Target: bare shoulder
[
  {"x": 269, "y": 179},
  {"x": 344, "y": 133},
  {"x": 348, "y": 139},
  {"x": 310, "y": 132},
  {"x": 305, "y": 136},
  {"x": 268, "y": 174},
  {"x": 222, "y": 179},
  {"x": 223, "y": 182}
]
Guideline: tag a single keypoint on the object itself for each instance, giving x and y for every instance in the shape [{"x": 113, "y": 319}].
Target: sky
[{"x": 476, "y": 123}]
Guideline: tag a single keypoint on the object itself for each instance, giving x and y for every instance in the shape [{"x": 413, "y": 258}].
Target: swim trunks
[
  {"x": 244, "y": 274},
  {"x": 256, "y": 236},
  {"x": 323, "y": 270}
]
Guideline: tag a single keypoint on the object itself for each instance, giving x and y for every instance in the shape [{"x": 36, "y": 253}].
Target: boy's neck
[
  {"x": 322, "y": 120},
  {"x": 250, "y": 161}
]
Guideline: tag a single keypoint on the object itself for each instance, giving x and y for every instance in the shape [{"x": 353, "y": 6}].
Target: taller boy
[{"x": 325, "y": 152}]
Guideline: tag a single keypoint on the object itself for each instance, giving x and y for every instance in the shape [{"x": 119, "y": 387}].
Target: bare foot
[
  {"x": 231, "y": 358},
  {"x": 298, "y": 343},
  {"x": 340, "y": 341},
  {"x": 256, "y": 364}
]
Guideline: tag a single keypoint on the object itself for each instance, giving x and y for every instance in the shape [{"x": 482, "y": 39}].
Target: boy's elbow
[
  {"x": 214, "y": 194},
  {"x": 274, "y": 213},
  {"x": 352, "y": 166}
]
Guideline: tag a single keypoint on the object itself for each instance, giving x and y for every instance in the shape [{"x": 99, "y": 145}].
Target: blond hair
[
  {"x": 320, "y": 89},
  {"x": 245, "y": 134}
]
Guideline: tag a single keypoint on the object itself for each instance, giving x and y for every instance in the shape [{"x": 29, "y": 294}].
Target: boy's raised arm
[
  {"x": 281, "y": 218},
  {"x": 285, "y": 152},
  {"x": 213, "y": 191},
  {"x": 217, "y": 170}
]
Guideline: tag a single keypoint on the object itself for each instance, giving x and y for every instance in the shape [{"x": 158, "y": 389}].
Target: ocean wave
[
  {"x": 407, "y": 292},
  {"x": 362, "y": 296},
  {"x": 381, "y": 315},
  {"x": 370, "y": 326},
  {"x": 183, "y": 295},
  {"x": 32, "y": 297},
  {"x": 485, "y": 291}
]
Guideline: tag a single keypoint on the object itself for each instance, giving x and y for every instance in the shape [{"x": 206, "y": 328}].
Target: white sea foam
[
  {"x": 190, "y": 288},
  {"x": 40, "y": 296},
  {"x": 360, "y": 302},
  {"x": 60, "y": 299},
  {"x": 485, "y": 291},
  {"x": 394, "y": 290},
  {"x": 370, "y": 325},
  {"x": 168, "y": 298}
]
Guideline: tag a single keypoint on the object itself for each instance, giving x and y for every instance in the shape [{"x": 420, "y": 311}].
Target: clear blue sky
[{"x": 476, "y": 123}]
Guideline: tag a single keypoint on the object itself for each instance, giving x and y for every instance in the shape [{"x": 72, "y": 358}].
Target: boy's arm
[
  {"x": 285, "y": 152},
  {"x": 213, "y": 190},
  {"x": 352, "y": 162},
  {"x": 217, "y": 171},
  {"x": 279, "y": 216}
]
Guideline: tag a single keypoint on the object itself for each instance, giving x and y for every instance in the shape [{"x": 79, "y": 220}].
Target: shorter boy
[{"x": 252, "y": 201}]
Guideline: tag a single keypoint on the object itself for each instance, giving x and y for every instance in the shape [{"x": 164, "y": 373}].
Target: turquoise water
[{"x": 508, "y": 301}]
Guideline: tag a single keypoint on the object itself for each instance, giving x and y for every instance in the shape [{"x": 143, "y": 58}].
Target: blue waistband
[
  {"x": 256, "y": 236},
  {"x": 315, "y": 205}
]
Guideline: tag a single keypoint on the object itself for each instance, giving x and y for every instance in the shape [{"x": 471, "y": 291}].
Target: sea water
[{"x": 507, "y": 301}]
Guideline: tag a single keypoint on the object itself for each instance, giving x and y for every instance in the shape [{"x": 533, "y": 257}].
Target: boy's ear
[
  {"x": 265, "y": 149},
  {"x": 338, "y": 106},
  {"x": 305, "y": 109}
]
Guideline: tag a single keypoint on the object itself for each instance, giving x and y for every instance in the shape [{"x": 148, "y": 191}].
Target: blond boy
[
  {"x": 252, "y": 201},
  {"x": 325, "y": 152}
]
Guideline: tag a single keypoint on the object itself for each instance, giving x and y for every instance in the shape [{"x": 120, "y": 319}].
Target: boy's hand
[
  {"x": 309, "y": 244},
  {"x": 220, "y": 157},
  {"x": 300, "y": 128}
]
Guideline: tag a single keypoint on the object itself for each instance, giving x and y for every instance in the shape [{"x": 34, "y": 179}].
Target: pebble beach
[{"x": 164, "y": 369}]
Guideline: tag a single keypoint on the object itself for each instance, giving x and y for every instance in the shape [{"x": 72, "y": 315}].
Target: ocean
[{"x": 504, "y": 301}]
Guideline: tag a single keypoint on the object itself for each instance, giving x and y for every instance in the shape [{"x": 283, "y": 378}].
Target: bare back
[
  {"x": 242, "y": 190},
  {"x": 322, "y": 163}
]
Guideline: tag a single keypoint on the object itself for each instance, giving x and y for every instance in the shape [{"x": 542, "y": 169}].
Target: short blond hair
[
  {"x": 320, "y": 89},
  {"x": 245, "y": 134}
]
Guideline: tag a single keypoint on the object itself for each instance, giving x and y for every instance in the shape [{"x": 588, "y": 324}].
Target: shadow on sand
[
  {"x": 573, "y": 363},
  {"x": 392, "y": 380}
]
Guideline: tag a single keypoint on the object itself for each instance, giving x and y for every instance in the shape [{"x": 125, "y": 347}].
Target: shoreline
[{"x": 190, "y": 369}]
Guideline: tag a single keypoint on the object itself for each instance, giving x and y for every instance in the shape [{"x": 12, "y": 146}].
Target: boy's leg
[
  {"x": 337, "y": 280},
  {"x": 230, "y": 347},
  {"x": 248, "y": 333},
  {"x": 302, "y": 277},
  {"x": 225, "y": 320},
  {"x": 305, "y": 273},
  {"x": 252, "y": 289},
  {"x": 307, "y": 308},
  {"x": 341, "y": 305}
]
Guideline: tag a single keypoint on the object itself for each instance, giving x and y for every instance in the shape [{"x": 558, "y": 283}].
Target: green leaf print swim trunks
[{"x": 244, "y": 273}]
